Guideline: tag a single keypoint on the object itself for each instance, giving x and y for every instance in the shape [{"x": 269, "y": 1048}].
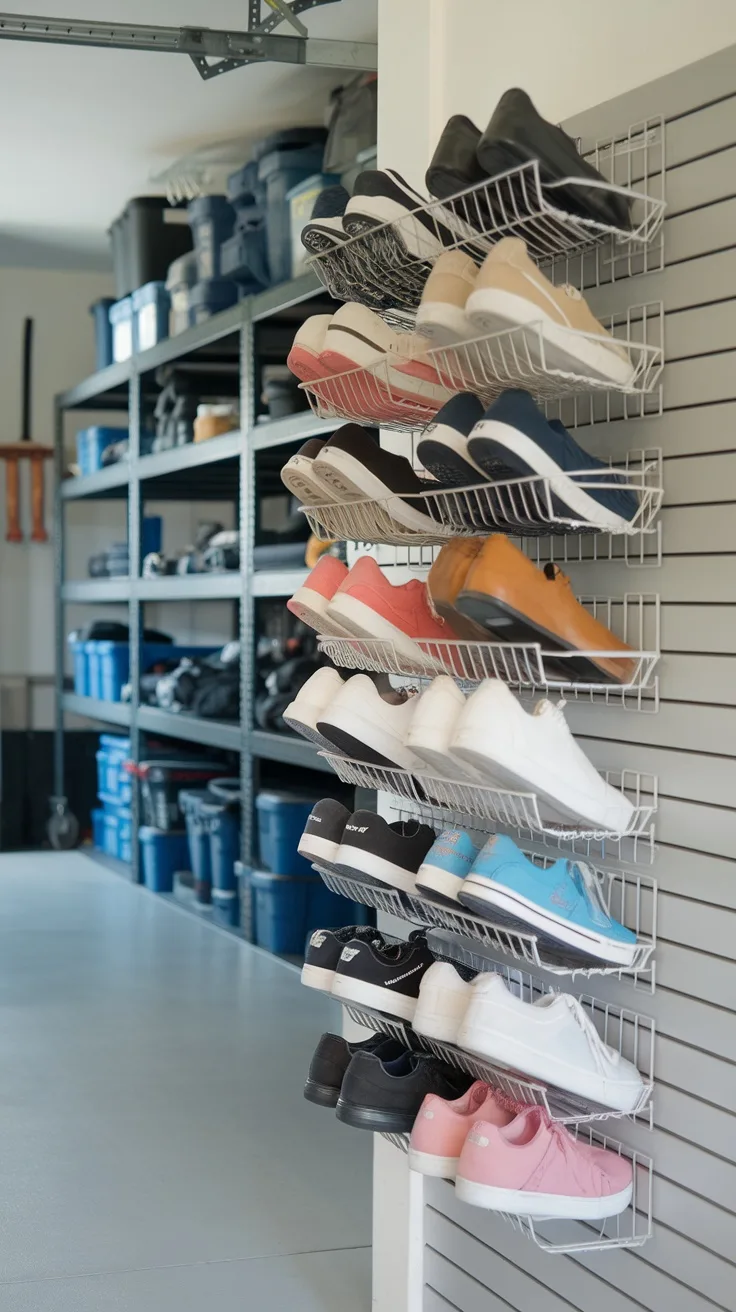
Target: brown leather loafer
[{"x": 446, "y": 580}]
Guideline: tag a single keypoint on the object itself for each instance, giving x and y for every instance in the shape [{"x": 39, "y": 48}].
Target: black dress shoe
[
  {"x": 454, "y": 165},
  {"x": 383, "y": 1095},
  {"x": 517, "y": 134},
  {"x": 331, "y": 1059}
]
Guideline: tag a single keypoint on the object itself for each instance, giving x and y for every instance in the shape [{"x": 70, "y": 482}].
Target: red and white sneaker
[
  {"x": 305, "y": 357},
  {"x": 366, "y": 605},
  {"x": 356, "y": 340},
  {"x": 311, "y": 600}
]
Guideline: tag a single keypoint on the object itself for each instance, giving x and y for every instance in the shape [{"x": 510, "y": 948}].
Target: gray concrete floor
[{"x": 156, "y": 1152}]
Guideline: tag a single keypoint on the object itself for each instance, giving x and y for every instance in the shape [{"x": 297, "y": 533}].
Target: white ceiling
[{"x": 86, "y": 129}]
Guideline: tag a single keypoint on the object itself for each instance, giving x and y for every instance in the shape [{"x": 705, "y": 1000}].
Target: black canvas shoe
[
  {"x": 324, "y": 230},
  {"x": 297, "y": 474},
  {"x": 354, "y": 465},
  {"x": 383, "y": 196},
  {"x": 455, "y": 167},
  {"x": 323, "y": 950},
  {"x": 384, "y": 976},
  {"x": 383, "y": 854},
  {"x": 333, "y": 1055},
  {"x": 323, "y": 832},
  {"x": 386, "y": 1095},
  {"x": 518, "y": 134}
]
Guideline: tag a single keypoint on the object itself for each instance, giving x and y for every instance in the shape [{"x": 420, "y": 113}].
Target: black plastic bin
[{"x": 145, "y": 238}]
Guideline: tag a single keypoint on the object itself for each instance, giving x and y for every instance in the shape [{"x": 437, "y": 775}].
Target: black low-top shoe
[
  {"x": 383, "y": 976},
  {"x": 356, "y": 467},
  {"x": 324, "y": 230},
  {"x": 382, "y": 196},
  {"x": 323, "y": 832},
  {"x": 385, "y": 855},
  {"x": 333, "y": 1055},
  {"x": 386, "y": 1095},
  {"x": 323, "y": 951},
  {"x": 454, "y": 167},
  {"x": 517, "y": 134}
]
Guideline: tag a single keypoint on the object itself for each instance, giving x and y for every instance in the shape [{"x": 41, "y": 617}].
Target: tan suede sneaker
[{"x": 441, "y": 315}]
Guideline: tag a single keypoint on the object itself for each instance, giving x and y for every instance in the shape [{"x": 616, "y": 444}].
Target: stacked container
[{"x": 112, "y": 823}]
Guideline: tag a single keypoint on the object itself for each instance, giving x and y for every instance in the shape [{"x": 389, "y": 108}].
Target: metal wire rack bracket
[
  {"x": 405, "y": 391},
  {"x": 471, "y": 940},
  {"x": 387, "y": 266},
  {"x": 527, "y": 666}
]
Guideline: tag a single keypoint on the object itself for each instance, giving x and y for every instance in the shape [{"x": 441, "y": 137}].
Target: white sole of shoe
[
  {"x": 442, "y": 1168},
  {"x": 574, "y": 496},
  {"x": 563, "y": 349},
  {"x": 521, "y": 908},
  {"x": 456, "y": 442},
  {"x": 374, "y": 736},
  {"x": 439, "y": 1024},
  {"x": 299, "y": 477},
  {"x": 312, "y": 608},
  {"x": 520, "y": 1203},
  {"x": 435, "y": 880},
  {"x": 363, "y": 994},
  {"x": 317, "y": 977},
  {"x": 510, "y": 1052},
  {"x": 443, "y": 323},
  {"x": 371, "y": 211},
  {"x": 377, "y": 868},
  {"x": 320, "y": 850},
  {"x": 348, "y": 476},
  {"x": 358, "y": 620}
]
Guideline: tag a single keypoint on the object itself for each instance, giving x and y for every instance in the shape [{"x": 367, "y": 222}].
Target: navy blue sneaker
[{"x": 515, "y": 440}]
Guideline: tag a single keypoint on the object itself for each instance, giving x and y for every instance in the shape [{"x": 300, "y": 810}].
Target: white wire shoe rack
[
  {"x": 529, "y": 506},
  {"x": 405, "y": 391},
  {"x": 626, "y": 1032},
  {"x": 471, "y": 940},
  {"x": 388, "y": 265}
]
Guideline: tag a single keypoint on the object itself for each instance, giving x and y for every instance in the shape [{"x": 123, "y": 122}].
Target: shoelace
[
  {"x": 582, "y": 875},
  {"x": 604, "y": 1056}
]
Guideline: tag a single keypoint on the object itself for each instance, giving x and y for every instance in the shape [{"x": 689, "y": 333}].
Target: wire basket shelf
[
  {"x": 521, "y": 811},
  {"x": 387, "y": 266},
  {"x": 405, "y": 391},
  {"x": 519, "y": 507},
  {"x": 477, "y": 937},
  {"x": 560, "y": 1105}
]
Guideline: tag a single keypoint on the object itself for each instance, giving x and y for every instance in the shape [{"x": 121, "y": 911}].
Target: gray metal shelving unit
[{"x": 224, "y": 466}]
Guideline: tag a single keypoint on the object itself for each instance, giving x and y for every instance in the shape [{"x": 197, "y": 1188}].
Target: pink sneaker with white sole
[
  {"x": 311, "y": 600},
  {"x": 535, "y": 1167},
  {"x": 367, "y": 605},
  {"x": 442, "y": 1126}
]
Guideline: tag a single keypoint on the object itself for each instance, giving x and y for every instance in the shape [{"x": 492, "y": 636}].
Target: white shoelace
[{"x": 604, "y": 1056}]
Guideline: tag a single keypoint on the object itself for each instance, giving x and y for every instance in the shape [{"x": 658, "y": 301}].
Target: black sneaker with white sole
[
  {"x": 323, "y": 832},
  {"x": 324, "y": 230},
  {"x": 384, "y": 976},
  {"x": 383, "y": 196},
  {"x": 354, "y": 465},
  {"x": 382, "y": 854},
  {"x": 331, "y": 1059},
  {"x": 324, "y": 948},
  {"x": 385, "y": 1095}
]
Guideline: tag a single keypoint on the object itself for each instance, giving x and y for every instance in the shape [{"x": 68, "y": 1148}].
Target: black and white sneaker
[
  {"x": 324, "y": 230},
  {"x": 323, "y": 950},
  {"x": 323, "y": 832},
  {"x": 385, "y": 976},
  {"x": 331, "y": 1059},
  {"x": 353, "y": 465},
  {"x": 383, "y": 854},
  {"x": 385, "y": 1095},
  {"x": 383, "y": 196}
]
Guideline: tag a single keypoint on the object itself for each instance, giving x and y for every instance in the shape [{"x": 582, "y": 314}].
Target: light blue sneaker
[
  {"x": 448, "y": 861},
  {"x": 564, "y": 901}
]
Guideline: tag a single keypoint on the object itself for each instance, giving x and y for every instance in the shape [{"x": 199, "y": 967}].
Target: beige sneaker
[
  {"x": 441, "y": 315},
  {"x": 511, "y": 291}
]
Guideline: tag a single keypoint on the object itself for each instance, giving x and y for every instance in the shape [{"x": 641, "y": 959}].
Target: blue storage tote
[
  {"x": 98, "y": 829},
  {"x": 301, "y": 201},
  {"x": 151, "y": 315},
  {"x": 281, "y": 170},
  {"x": 121, "y": 322},
  {"x": 244, "y": 258},
  {"x": 190, "y": 804},
  {"x": 287, "y": 908},
  {"x": 223, "y": 827},
  {"x": 109, "y": 663},
  {"x": 81, "y": 668},
  {"x": 244, "y": 191},
  {"x": 125, "y": 834},
  {"x": 162, "y": 854},
  {"x": 91, "y": 442},
  {"x": 103, "y": 331},
  {"x": 94, "y": 669},
  {"x": 282, "y": 816},
  {"x": 211, "y": 219},
  {"x": 110, "y": 831},
  {"x": 211, "y": 296},
  {"x": 112, "y": 780}
]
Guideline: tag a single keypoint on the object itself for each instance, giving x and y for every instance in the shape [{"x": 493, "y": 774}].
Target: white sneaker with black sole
[
  {"x": 385, "y": 977},
  {"x": 370, "y": 726},
  {"x": 323, "y": 832},
  {"x": 311, "y": 702},
  {"x": 385, "y": 855},
  {"x": 323, "y": 950}
]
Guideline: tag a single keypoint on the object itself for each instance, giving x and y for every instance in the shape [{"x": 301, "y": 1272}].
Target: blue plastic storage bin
[
  {"x": 223, "y": 826},
  {"x": 190, "y": 804},
  {"x": 162, "y": 854},
  {"x": 81, "y": 668},
  {"x": 113, "y": 781},
  {"x": 151, "y": 306},
  {"x": 288, "y": 908},
  {"x": 301, "y": 201},
  {"x": 110, "y": 832},
  {"x": 100, "y": 312},
  {"x": 211, "y": 219},
  {"x": 109, "y": 663},
  {"x": 244, "y": 191},
  {"x": 282, "y": 816},
  {"x": 94, "y": 669},
  {"x": 98, "y": 829},
  {"x": 121, "y": 322},
  {"x": 281, "y": 170},
  {"x": 125, "y": 834},
  {"x": 244, "y": 258},
  {"x": 211, "y": 297},
  {"x": 91, "y": 442}
]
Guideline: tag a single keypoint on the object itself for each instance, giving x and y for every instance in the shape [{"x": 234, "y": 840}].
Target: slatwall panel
[{"x": 475, "y": 1262}]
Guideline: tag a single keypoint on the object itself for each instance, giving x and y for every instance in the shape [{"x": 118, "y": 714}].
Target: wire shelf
[
  {"x": 451, "y": 797},
  {"x": 459, "y": 935},
  {"x": 388, "y": 265},
  {"x": 629, "y": 1028},
  {"x": 406, "y": 391},
  {"x": 521, "y": 506}
]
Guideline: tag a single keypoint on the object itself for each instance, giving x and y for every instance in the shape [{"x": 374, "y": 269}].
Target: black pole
[{"x": 25, "y": 435}]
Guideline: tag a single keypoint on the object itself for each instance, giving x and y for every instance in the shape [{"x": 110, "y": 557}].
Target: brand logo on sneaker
[
  {"x": 347, "y": 954},
  {"x": 406, "y": 974},
  {"x": 476, "y": 1137},
  {"x": 314, "y": 820},
  {"x": 560, "y": 897},
  {"x": 357, "y": 829},
  {"x": 428, "y": 1115},
  {"x": 317, "y": 939}
]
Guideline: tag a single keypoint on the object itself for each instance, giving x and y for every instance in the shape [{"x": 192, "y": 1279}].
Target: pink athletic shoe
[
  {"x": 534, "y": 1167},
  {"x": 441, "y": 1127},
  {"x": 311, "y": 600}
]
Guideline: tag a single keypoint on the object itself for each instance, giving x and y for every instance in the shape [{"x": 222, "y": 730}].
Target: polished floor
[{"x": 156, "y": 1152}]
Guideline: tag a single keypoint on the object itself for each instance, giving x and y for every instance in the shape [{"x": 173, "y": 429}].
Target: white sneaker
[
  {"x": 443, "y": 999},
  {"x": 552, "y": 1039},
  {"x": 311, "y": 702},
  {"x": 537, "y": 753},
  {"x": 371, "y": 726},
  {"x": 433, "y": 725}
]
